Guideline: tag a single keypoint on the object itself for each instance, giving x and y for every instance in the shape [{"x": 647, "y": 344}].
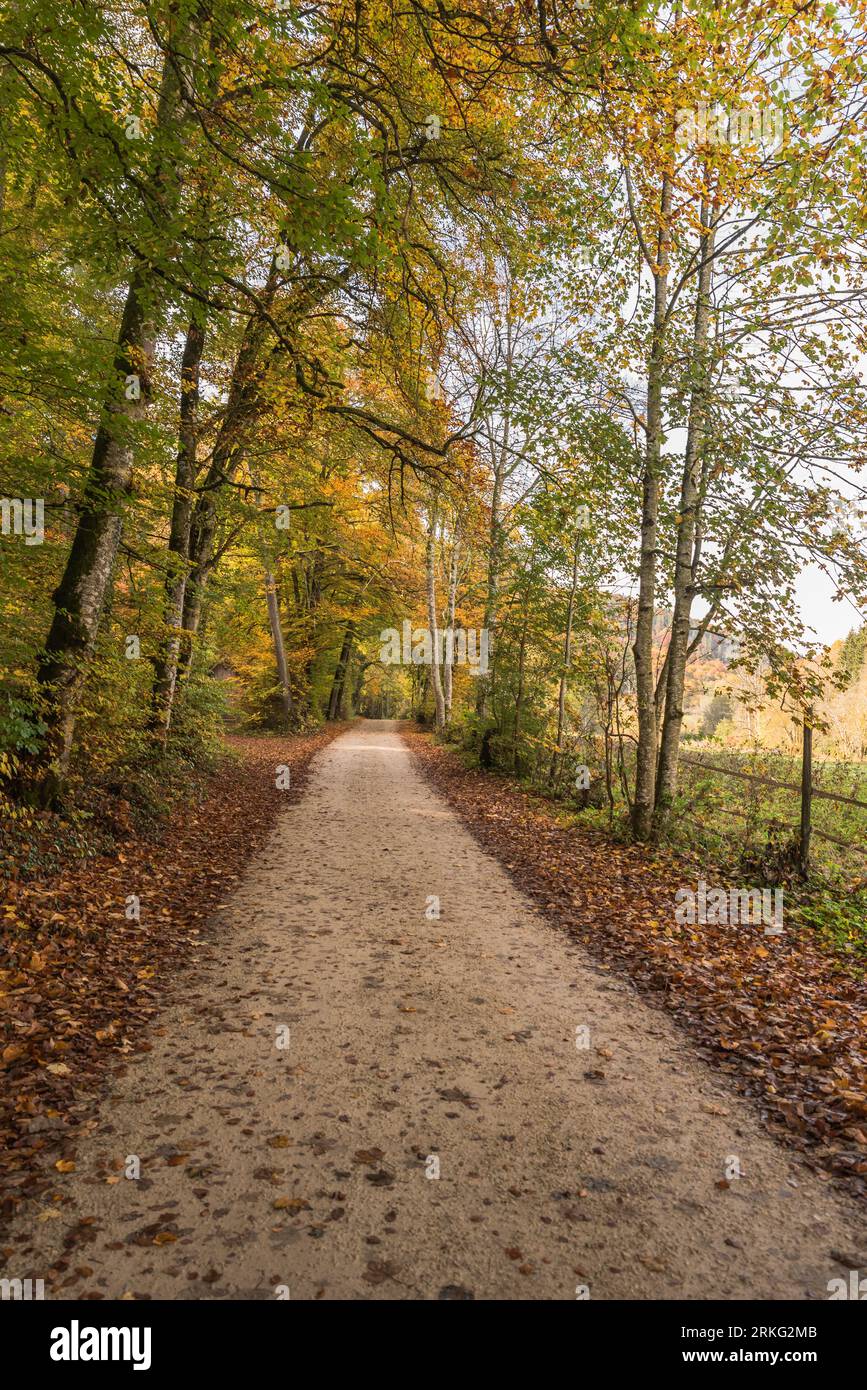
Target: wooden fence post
[{"x": 806, "y": 796}]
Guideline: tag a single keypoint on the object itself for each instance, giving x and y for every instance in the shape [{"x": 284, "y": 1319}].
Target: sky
[{"x": 831, "y": 621}]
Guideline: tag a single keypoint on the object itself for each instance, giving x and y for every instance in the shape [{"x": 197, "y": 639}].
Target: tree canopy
[{"x": 543, "y": 326}]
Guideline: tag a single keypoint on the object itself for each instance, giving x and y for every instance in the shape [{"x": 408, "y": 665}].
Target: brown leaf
[
  {"x": 378, "y": 1271},
  {"x": 369, "y": 1156}
]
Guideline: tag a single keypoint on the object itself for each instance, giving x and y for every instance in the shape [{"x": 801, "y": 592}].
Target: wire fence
[
  {"x": 811, "y": 795},
  {"x": 828, "y": 802}
]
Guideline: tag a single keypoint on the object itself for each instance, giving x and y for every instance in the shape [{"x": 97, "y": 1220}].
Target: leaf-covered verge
[
  {"x": 79, "y": 980},
  {"x": 782, "y": 1016}
]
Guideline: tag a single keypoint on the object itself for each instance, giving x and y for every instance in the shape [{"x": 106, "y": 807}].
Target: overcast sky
[{"x": 830, "y": 620}]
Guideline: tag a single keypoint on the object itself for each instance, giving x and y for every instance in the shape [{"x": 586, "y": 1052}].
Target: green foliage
[
  {"x": 854, "y": 654},
  {"x": 839, "y": 921},
  {"x": 20, "y": 727},
  {"x": 426, "y": 366}
]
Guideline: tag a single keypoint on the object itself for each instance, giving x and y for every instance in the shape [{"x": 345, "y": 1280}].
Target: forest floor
[
  {"x": 98, "y": 912},
  {"x": 348, "y": 1096}
]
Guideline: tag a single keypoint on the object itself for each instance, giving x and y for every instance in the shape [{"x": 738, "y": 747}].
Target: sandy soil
[{"x": 307, "y": 1169}]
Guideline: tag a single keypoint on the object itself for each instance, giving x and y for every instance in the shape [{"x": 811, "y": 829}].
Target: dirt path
[{"x": 413, "y": 1039}]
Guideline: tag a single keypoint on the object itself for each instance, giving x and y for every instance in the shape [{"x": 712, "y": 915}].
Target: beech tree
[{"x": 543, "y": 325}]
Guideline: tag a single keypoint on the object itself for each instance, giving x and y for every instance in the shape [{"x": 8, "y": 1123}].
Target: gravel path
[{"x": 419, "y": 1045}]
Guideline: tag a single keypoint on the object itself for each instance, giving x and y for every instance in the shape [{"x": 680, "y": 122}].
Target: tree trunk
[
  {"x": 806, "y": 796},
  {"x": 79, "y": 599},
  {"x": 358, "y": 684},
  {"x": 519, "y": 697},
  {"x": 645, "y": 772},
  {"x": 166, "y": 662},
  {"x": 430, "y": 554},
  {"x": 449, "y": 661},
  {"x": 340, "y": 670},
  {"x": 279, "y": 649},
  {"x": 557, "y": 760},
  {"x": 492, "y": 588},
  {"x": 228, "y": 454},
  {"x": 688, "y": 510}
]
